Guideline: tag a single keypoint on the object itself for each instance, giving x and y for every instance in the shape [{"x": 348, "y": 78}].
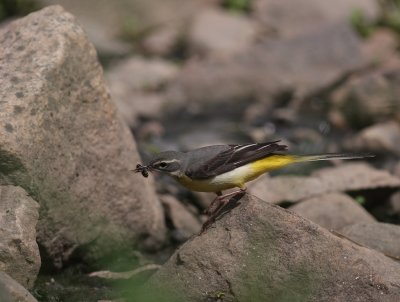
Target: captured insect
[{"x": 142, "y": 169}]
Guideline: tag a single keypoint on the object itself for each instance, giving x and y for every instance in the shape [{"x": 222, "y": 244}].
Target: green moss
[
  {"x": 11, "y": 8},
  {"x": 241, "y": 6}
]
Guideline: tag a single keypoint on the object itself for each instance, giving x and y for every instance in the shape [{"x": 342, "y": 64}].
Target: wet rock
[
  {"x": 296, "y": 66},
  {"x": 383, "y": 137},
  {"x": 332, "y": 211},
  {"x": 135, "y": 85},
  {"x": 12, "y": 291},
  {"x": 347, "y": 177},
  {"x": 19, "y": 252},
  {"x": 181, "y": 218},
  {"x": 62, "y": 141},
  {"x": 260, "y": 251},
  {"x": 288, "y": 18},
  {"x": 383, "y": 237},
  {"x": 369, "y": 98},
  {"x": 219, "y": 32}
]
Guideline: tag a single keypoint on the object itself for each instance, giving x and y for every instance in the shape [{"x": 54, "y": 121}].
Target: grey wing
[{"x": 232, "y": 157}]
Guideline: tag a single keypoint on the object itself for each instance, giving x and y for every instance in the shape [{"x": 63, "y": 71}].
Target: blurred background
[{"x": 322, "y": 76}]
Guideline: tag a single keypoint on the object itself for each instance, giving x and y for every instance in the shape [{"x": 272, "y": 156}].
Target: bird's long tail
[{"x": 332, "y": 156}]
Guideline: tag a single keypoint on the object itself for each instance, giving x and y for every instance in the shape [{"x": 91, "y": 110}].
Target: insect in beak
[{"x": 142, "y": 169}]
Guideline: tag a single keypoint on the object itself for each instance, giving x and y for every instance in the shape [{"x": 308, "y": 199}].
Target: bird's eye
[{"x": 162, "y": 165}]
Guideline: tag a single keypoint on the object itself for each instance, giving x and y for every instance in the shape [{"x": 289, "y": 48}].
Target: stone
[
  {"x": 380, "y": 46},
  {"x": 332, "y": 211},
  {"x": 182, "y": 220},
  {"x": 300, "y": 66},
  {"x": 289, "y": 18},
  {"x": 369, "y": 98},
  {"x": 382, "y": 137},
  {"x": 383, "y": 237},
  {"x": 218, "y": 32},
  {"x": 343, "y": 178},
  {"x": 162, "y": 41},
  {"x": 63, "y": 142},
  {"x": 394, "y": 202},
  {"x": 19, "y": 252},
  {"x": 259, "y": 251},
  {"x": 12, "y": 291},
  {"x": 135, "y": 85}
]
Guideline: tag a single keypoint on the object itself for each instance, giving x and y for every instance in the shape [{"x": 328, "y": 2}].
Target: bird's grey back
[{"x": 196, "y": 158}]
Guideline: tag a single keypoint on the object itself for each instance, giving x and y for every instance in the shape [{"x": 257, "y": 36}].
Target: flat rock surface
[
  {"x": 332, "y": 211},
  {"x": 346, "y": 177},
  {"x": 383, "y": 237},
  {"x": 19, "y": 252},
  {"x": 12, "y": 291},
  {"x": 62, "y": 140},
  {"x": 260, "y": 251}
]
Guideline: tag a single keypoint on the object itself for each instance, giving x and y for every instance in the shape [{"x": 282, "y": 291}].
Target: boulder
[
  {"x": 261, "y": 252},
  {"x": 62, "y": 140},
  {"x": 12, "y": 291},
  {"x": 383, "y": 237},
  {"x": 332, "y": 211},
  {"x": 19, "y": 252}
]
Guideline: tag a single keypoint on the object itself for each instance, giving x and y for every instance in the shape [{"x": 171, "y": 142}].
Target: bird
[{"x": 218, "y": 168}]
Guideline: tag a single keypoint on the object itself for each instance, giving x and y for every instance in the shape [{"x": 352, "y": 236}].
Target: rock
[
  {"x": 369, "y": 98},
  {"x": 380, "y": 46},
  {"x": 383, "y": 137},
  {"x": 135, "y": 85},
  {"x": 62, "y": 141},
  {"x": 184, "y": 221},
  {"x": 162, "y": 41},
  {"x": 395, "y": 203},
  {"x": 332, "y": 211},
  {"x": 12, "y": 291},
  {"x": 346, "y": 177},
  {"x": 19, "y": 252},
  {"x": 260, "y": 251},
  {"x": 383, "y": 237},
  {"x": 218, "y": 32},
  {"x": 288, "y": 18},
  {"x": 300, "y": 66}
]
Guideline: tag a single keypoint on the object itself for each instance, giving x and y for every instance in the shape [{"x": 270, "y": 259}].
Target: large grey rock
[
  {"x": 261, "y": 252},
  {"x": 62, "y": 140},
  {"x": 300, "y": 65},
  {"x": 333, "y": 211},
  {"x": 19, "y": 252},
  {"x": 288, "y": 18},
  {"x": 383, "y": 237},
  {"x": 12, "y": 291}
]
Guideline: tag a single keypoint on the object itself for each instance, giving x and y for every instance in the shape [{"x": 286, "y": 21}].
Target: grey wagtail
[{"x": 220, "y": 167}]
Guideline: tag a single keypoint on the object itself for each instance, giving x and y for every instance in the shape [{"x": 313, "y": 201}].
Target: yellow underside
[{"x": 240, "y": 176}]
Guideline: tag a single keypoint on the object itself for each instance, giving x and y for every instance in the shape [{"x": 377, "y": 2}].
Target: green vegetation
[
  {"x": 241, "y": 6},
  {"x": 10, "y": 8}
]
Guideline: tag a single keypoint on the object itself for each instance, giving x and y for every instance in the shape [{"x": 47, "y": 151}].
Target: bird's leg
[
  {"x": 213, "y": 211},
  {"x": 214, "y": 204}
]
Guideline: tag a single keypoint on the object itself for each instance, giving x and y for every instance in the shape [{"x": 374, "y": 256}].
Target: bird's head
[{"x": 168, "y": 162}]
